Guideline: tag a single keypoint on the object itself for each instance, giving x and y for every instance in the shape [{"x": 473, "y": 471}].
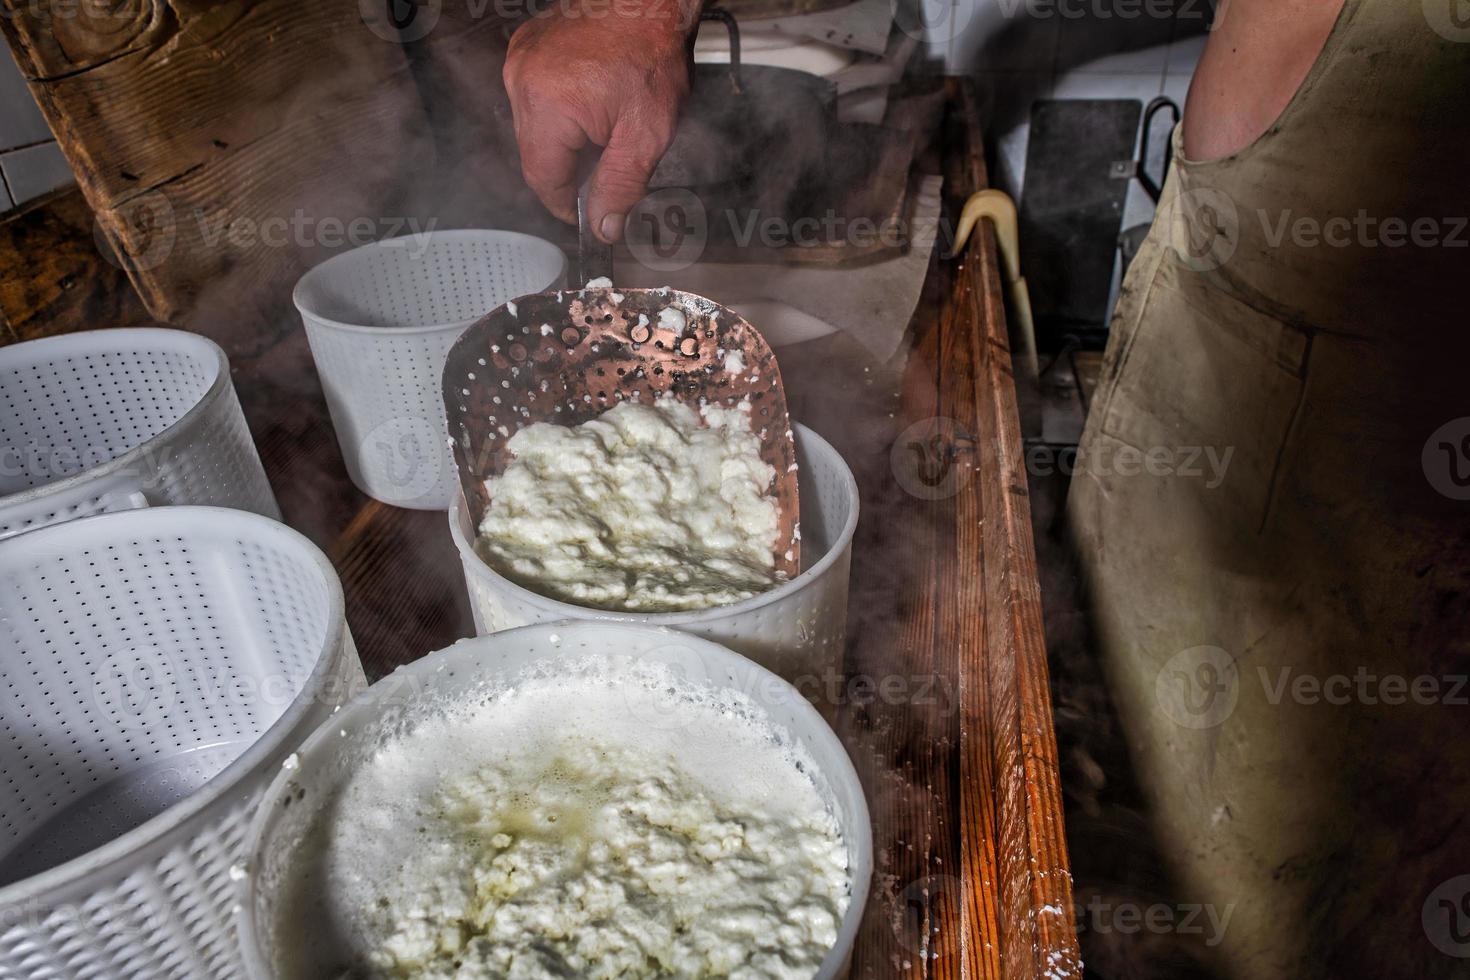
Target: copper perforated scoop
[{"x": 567, "y": 357}]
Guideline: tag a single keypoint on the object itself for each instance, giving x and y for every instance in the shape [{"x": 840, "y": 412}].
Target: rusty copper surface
[{"x": 567, "y": 357}]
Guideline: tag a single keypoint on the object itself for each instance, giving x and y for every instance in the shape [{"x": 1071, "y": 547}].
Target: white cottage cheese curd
[
  {"x": 641, "y": 509},
  {"x": 591, "y": 827}
]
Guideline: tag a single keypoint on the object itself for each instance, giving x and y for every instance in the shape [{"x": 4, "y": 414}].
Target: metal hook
[{"x": 728, "y": 19}]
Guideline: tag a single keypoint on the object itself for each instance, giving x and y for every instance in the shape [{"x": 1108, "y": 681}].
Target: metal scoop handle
[{"x": 594, "y": 258}]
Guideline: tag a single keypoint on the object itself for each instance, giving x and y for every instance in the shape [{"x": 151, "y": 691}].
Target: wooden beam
[{"x": 1031, "y": 890}]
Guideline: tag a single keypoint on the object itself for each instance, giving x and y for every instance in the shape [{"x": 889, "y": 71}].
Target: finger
[
  {"x": 549, "y": 143},
  {"x": 621, "y": 177}
]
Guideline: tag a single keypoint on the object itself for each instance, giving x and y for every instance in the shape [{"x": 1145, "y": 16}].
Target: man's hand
[{"x": 609, "y": 72}]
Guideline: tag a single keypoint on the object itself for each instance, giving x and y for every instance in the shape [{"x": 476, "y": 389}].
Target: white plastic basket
[
  {"x": 381, "y": 319},
  {"x": 285, "y": 941},
  {"x": 155, "y": 668},
  {"x": 115, "y": 419},
  {"x": 796, "y": 630}
]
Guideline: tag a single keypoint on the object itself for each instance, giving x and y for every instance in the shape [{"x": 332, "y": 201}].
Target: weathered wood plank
[
  {"x": 54, "y": 278},
  {"x": 197, "y": 128}
]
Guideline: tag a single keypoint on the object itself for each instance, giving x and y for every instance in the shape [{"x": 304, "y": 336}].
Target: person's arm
[
  {"x": 607, "y": 72},
  {"x": 1256, "y": 58}
]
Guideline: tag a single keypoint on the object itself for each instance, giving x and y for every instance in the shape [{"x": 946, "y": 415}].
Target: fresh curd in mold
[{"x": 646, "y": 508}]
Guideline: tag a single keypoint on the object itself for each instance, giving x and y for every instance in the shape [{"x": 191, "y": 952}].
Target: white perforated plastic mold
[
  {"x": 796, "y": 630},
  {"x": 108, "y": 420},
  {"x": 156, "y": 667},
  {"x": 381, "y": 319}
]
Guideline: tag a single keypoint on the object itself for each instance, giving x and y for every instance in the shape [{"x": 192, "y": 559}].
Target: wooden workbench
[{"x": 945, "y": 705}]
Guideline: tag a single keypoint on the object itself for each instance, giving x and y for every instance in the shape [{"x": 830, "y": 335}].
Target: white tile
[
  {"x": 1176, "y": 87},
  {"x": 1010, "y": 161},
  {"x": 938, "y": 18},
  {"x": 20, "y": 118},
  {"x": 34, "y": 171},
  {"x": 1000, "y": 35},
  {"x": 1090, "y": 85},
  {"x": 1006, "y": 100},
  {"x": 1158, "y": 141},
  {"x": 1006, "y": 97},
  {"x": 1140, "y": 61},
  {"x": 1138, "y": 207},
  {"x": 1115, "y": 44},
  {"x": 1184, "y": 53}
]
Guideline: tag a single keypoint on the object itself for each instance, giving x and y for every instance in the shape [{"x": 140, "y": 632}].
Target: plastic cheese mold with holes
[
  {"x": 156, "y": 668},
  {"x": 109, "y": 420},
  {"x": 380, "y": 320}
]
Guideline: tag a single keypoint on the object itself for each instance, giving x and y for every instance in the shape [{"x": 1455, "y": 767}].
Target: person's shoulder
[{"x": 1258, "y": 54}]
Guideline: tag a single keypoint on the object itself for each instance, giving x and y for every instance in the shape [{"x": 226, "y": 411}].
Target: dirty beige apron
[{"x": 1271, "y": 512}]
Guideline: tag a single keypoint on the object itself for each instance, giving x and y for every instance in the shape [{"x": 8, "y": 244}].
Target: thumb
[{"x": 621, "y": 177}]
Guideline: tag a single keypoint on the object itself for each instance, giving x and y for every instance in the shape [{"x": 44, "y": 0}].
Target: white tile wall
[
  {"x": 1006, "y": 98},
  {"x": 1184, "y": 53},
  {"x": 1002, "y": 38},
  {"x": 1176, "y": 87},
  {"x": 1110, "y": 44},
  {"x": 35, "y": 170},
  {"x": 30, "y": 161},
  {"x": 20, "y": 119},
  {"x": 1084, "y": 84}
]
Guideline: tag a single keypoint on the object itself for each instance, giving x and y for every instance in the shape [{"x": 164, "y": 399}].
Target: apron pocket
[{"x": 1208, "y": 377}]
